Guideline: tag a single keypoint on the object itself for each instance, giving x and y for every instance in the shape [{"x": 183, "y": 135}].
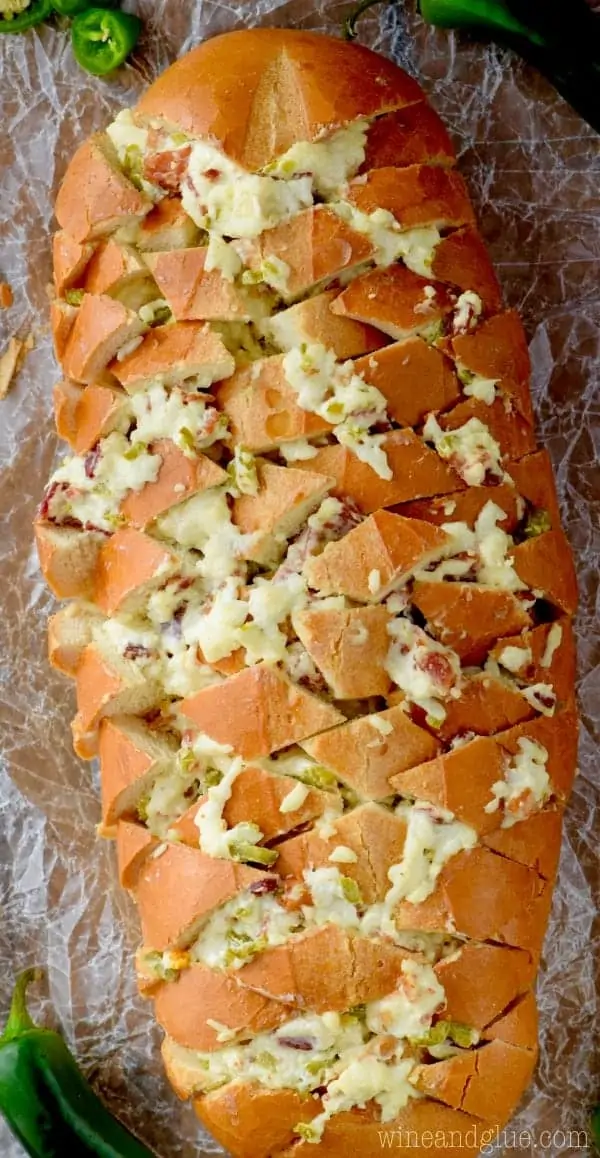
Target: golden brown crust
[
  {"x": 462, "y": 261},
  {"x": 195, "y": 294},
  {"x": 484, "y": 706},
  {"x": 413, "y": 377},
  {"x": 256, "y": 93},
  {"x": 462, "y": 779},
  {"x": 534, "y": 842},
  {"x": 553, "y": 656},
  {"x": 410, "y": 136},
  {"x": 378, "y": 555},
  {"x": 131, "y": 756},
  {"x": 545, "y": 564},
  {"x": 95, "y": 197},
  {"x": 284, "y": 500},
  {"x": 352, "y": 970},
  {"x": 488, "y": 1081},
  {"x": 417, "y": 471},
  {"x": 349, "y": 648},
  {"x": 316, "y": 246},
  {"x": 469, "y": 618},
  {"x": 62, "y": 320},
  {"x": 314, "y": 321},
  {"x": 85, "y": 415},
  {"x": 497, "y": 349},
  {"x": 69, "y": 261},
  {"x": 511, "y": 431},
  {"x": 366, "y": 753},
  {"x": 178, "y": 478},
  {"x": 130, "y": 564},
  {"x": 482, "y": 981},
  {"x": 185, "y": 1007},
  {"x": 262, "y": 409},
  {"x": 171, "y": 354},
  {"x": 257, "y": 795},
  {"x": 258, "y": 711},
  {"x": 134, "y": 845},
  {"x": 252, "y": 1121},
  {"x": 475, "y": 896},
  {"x": 373, "y": 833},
  {"x": 395, "y": 300},
  {"x": 101, "y": 328},
  {"x": 417, "y": 1125},
  {"x": 180, "y": 887},
  {"x": 418, "y": 196}
]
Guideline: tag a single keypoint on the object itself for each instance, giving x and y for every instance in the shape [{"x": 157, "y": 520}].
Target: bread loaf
[{"x": 321, "y": 629}]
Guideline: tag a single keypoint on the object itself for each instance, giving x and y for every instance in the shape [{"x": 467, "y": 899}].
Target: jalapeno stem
[{"x": 19, "y": 1018}]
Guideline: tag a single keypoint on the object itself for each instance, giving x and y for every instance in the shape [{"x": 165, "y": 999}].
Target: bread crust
[
  {"x": 172, "y": 354},
  {"x": 258, "y": 711},
  {"x": 341, "y": 772},
  {"x": 296, "y": 85},
  {"x": 178, "y": 478},
  {"x": 95, "y": 198},
  {"x": 414, "y": 378},
  {"x": 262, "y": 409},
  {"x": 417, "y": 472}
]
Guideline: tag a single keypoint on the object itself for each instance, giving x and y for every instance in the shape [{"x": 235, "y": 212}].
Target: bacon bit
[
  {"x": 167, "y": 168},
  {"x": 303, "y": 1043},
  {"x": 91, "y": 460},
  {"x": 44, "y": 507},
  {"x": 6, "y": 296},
  {"x": 267, "y": 885},
  {"x": 136, "y": 651},
  {"x": 437, "y": 666},
  {"x": 211, "y": 174}
]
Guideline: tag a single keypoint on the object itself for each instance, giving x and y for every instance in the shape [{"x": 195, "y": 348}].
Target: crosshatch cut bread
[{"x": 320, "y": 617}]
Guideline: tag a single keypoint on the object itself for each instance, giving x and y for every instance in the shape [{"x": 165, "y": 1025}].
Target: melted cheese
[
  {"x": 226, "y": 199},
  {"x": 224, "y": 257},
  {"x": 485, "y": 553},
  {"x": 297, "y": 451},
  {"x": 553, "y": 642},
  {"x": 408, "y": 1012},
  {"x": 514, "y": 659},
  {"x": 526, "y": 785},
  {"x": 426, "y": 671},
  {"x": 432, "y": 838},
  {"x": 330, "y": 161},
  {"x": 295, "y": 798},
  {"x": 337, "y": 394},
  {"x": 183, "y": 418},
  {"x": 331, "y": 899},
  {"x": 416, "y": 247},
  {"x": 241, "y": 928},
  {"x": 97, "y": 484},
  {"x": 216, "y": 839},
  {"x": 470, "y": 449}
]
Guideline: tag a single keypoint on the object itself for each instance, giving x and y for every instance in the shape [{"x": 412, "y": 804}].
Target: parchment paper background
[{"x": 534, "y": 171}]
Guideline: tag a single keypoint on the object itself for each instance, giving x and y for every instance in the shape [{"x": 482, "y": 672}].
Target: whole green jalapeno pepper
[{"x": 46, "y": 1101}]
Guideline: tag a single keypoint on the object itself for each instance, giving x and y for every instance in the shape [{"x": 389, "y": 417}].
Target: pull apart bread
[{"x": 320, "y": 599}]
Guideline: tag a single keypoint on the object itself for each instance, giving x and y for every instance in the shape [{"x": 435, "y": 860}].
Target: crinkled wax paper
[{"x": 534, "y": 171}]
